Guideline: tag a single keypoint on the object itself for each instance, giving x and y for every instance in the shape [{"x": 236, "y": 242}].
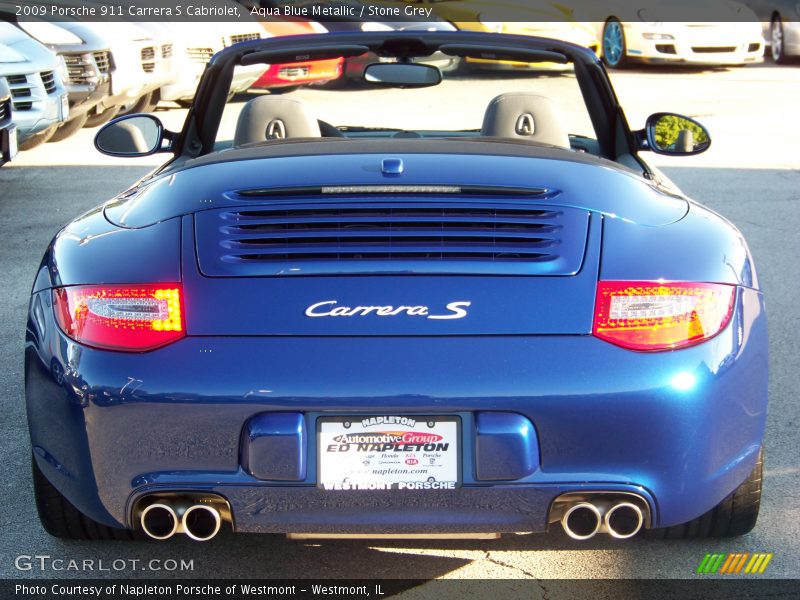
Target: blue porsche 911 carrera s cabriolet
[{"x": 374, "y": 312}]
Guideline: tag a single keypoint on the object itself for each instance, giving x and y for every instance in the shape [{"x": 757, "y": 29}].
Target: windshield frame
[{"x": 199, "y": 132}]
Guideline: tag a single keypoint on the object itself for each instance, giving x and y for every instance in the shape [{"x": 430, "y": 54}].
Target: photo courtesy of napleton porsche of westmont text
[{"x": 399, "y": 298}]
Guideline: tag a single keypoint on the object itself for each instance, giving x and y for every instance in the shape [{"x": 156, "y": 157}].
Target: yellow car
[{"x": 555, "y": 21}]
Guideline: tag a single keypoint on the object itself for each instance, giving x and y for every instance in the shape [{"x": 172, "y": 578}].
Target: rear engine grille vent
[
  {"x": 16, "y": 79},
  {"x": 49, "y": 81},
  {"x": 393, "y": 238},
  {"x": 148, "y": 53},
  {"x": 4, "y": 112},
  {"x": 166, "y": 51}
]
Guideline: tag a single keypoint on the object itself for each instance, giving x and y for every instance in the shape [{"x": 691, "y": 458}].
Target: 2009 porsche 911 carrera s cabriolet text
[{"x": 347, "y": 319}]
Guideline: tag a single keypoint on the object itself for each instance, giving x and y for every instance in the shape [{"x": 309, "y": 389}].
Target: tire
[
  {"x": 38, "y": 139},
  {"x": 614, "y": 46},
  {"x": 144, "y": 104},
  {"x": 69, "y": 128},
  {"x": 96, "y": 119},
  {"x": 62, "y": 520},
  {"x": 777, "y": 41},
  {"x": 735, "y": 515}
]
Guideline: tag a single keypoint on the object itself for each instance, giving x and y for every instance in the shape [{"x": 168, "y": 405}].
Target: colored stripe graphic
[{"x": 733, "y": 563}]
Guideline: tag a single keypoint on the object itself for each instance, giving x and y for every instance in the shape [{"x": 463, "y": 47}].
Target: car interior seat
[
  {"x": 528, "y": 116},
  {"x": 273, "y": 118}
]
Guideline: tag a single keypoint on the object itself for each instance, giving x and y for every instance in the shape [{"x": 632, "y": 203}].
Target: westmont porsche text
[{"x": 364, "y": 324}]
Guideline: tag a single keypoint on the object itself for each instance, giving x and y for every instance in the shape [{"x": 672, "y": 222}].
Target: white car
[
  {"x": 140, "y": 64},
  {"x": 34, "y": 75},
  {"x": 653, "y": 32},
  {"x": 781, "y": 20},
  {"x": 193, "y": 46}
]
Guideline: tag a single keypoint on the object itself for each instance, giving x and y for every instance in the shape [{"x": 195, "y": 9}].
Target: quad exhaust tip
[
  {"x": 621, "y": 520},
  {"x": 159, "y": 521},
  {"x": 624, "y": 520},
  {"x": 582, "y": 521},
  {"x": 200, "y": 520}
]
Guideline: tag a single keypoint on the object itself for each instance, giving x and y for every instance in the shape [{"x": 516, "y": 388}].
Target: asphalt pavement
[{"x": 751, "y": 175}]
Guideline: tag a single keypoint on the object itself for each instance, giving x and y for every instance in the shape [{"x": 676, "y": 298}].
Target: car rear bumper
[{"x": 681, "y": 429}]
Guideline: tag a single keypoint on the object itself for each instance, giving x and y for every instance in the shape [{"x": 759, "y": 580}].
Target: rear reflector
[
  {"x": 131, "y": 318},
  {"x": 653, "y": 315}
]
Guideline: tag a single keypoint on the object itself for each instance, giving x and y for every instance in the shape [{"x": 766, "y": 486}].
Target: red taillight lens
[
  {"x": 651, "y": 315},
  {"x": 130, "y": 318}
]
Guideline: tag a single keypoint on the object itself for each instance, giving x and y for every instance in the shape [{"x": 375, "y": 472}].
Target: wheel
[
  {"x": 614, "y": 48},
  {"x": 38, "y": 139},
  {"x": 96, "y": 119},
  {"x": 62, "y": 520},
  {"x": 735, "y": 515},
  {"x": 69, "y": 128},
  {"x": 144, "y": 104},
  {"x": 777, "y": 48}
]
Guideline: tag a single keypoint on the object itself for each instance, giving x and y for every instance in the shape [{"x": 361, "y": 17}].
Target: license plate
[
  {"x": 65, "y": 107},
  {"x": 386, "y": 452}
]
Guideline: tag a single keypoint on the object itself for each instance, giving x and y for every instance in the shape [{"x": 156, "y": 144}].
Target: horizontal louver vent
[
  {"x": 202, "y": 55},
  {"x": 49, "y": 81},
  {"x": 394, "y": 237},
  {"x": 103, "y": 62},
  {"x": 244, "y": 37}
]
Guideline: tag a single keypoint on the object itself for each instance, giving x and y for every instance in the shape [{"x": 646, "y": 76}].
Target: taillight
[
  {"x": 130, "y": 318},
  {"x": 653, "y": 315}
]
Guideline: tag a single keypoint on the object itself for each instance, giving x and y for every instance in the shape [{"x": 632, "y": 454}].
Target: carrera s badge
[{"x": 330, "y": 308}]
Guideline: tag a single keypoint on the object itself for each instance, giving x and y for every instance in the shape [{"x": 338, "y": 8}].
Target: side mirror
[
  {"x": 403, "y": 74},
  {"x": 667, "y": 133},
  {"x": 133, "y": 136}
]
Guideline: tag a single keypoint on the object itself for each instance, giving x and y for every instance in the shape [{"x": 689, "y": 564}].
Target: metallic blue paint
[
  {"x": 274, "y": 446},
  {"x": 628, "y": 426},
  {"x": 544, "y": 407},
  {"x": 506, "y": 447}
]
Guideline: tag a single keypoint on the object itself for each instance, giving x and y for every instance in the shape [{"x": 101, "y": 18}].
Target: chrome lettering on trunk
[{"x": 331, "y": 308}]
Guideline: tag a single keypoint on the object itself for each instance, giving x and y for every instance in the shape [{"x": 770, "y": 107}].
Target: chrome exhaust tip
[
  {"x": 201, "y": 522},
  {"x": 582, "y": 521},
  {"x": 624, "y": 520},
  {"x": 159, "y": 521}
]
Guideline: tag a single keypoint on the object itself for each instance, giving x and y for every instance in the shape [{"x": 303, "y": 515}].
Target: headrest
[
  {"x": 272, "y": 118},
  {"x": 525, "y": 116}
]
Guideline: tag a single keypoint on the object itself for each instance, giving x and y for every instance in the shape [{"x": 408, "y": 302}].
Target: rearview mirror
[
  {"x": 132, "y": 136},
  {"x": 667, "y": 133},
  {"x": 403, "y": 74}
]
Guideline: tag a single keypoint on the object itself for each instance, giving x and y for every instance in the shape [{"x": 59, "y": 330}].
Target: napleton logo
[{"x": 735, "y": 563}]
